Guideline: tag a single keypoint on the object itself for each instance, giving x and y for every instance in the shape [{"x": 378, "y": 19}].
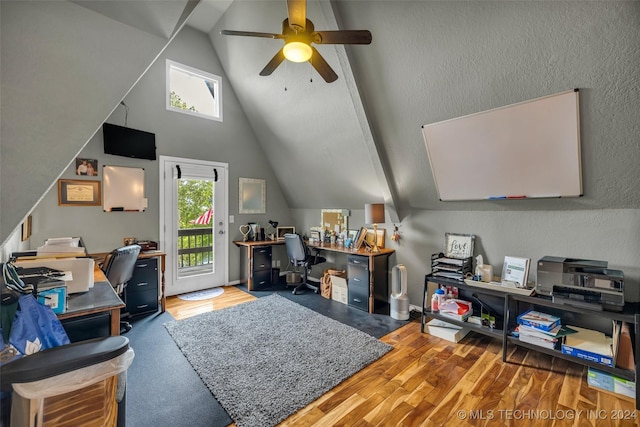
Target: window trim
[{"x": 200, "y": 74}]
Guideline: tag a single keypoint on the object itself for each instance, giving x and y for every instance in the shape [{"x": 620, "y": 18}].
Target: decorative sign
[{"x": 459, "y": 245}]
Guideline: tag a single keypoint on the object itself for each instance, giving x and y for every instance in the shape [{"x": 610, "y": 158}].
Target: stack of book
[{"x": 541, "y": 329}]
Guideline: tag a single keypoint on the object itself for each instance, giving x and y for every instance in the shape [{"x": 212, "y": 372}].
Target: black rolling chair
[
  {"x": 118, "y": 267},
  {"x": 299, "y": 256}
]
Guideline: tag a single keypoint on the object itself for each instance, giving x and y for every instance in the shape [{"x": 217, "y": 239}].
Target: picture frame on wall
[
  {"x": 75, "y": 192},
  {"x": 88, "y": 167},
  {"x": 252, "y": 196}
]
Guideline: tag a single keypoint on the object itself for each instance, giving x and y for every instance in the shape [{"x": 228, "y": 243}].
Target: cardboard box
[
  {"x": 589, "y": 345},
  {"x": 447, "y": 331},
  {"x": 339, "y": 289},
  {"x": 611, "y": 383},
  {"x": 587, "y": 355}
]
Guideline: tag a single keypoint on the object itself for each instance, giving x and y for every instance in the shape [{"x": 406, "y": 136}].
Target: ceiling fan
[{"x": 298, "y": 33}]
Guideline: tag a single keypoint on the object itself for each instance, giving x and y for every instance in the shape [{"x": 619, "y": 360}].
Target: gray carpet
[{"x": 266, "y": 359}]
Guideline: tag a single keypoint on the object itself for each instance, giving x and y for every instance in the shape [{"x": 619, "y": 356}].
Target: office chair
[
  {"x": 299, "y": 256},
  {"x": 70, "y": 385},
  {"x": 118, "y": 267}
]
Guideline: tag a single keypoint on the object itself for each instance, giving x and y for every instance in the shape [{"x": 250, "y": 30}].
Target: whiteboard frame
[
  {"x": 529, "y": 149},
  {"x": 123, "y": 189}
]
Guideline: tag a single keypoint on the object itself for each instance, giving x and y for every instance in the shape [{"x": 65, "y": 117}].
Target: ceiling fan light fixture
[{"x": 297, "y": 51}]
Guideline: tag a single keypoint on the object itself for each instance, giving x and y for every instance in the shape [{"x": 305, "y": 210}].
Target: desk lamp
[
  {"x": 374, "y": 214},
  {"x": 274, "y": 225}
]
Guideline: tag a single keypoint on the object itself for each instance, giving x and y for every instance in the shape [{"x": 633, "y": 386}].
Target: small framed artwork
[
  {"x": 380, "y": 240},
  {"x": 26, "y": 229},
  {"x": 73, "y": 192},
  {"x": 88, "y": 167},
  {"x": 360, "y": 238},
  {"x": 459, "y": 245},
  {"x": 281, "y": 231},
  {"x": 252, "y": 196}
]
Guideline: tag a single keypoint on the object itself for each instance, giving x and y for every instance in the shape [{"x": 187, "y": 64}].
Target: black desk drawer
[
  {"x": 262, "y": 258},
  {"x": 262, "y": 279},
  {"x": 142, "y": 302},
  {"x": 358, "y": 298},
  {"x": 141, "y": 292},
  {"x": 145, "y": 276},
  {"x": 358, "y": 282}
]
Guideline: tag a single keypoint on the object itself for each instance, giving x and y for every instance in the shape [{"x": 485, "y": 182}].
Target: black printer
[{"x": 580, "y": 282}]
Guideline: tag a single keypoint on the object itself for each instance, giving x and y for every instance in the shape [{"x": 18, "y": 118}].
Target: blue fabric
[{"x": 35, "y": 327}]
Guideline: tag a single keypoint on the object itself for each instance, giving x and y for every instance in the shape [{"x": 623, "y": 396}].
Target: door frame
[{"x": 170, "y": 254}]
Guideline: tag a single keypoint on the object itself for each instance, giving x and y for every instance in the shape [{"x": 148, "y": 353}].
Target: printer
[{"x": 581, "y": 283}]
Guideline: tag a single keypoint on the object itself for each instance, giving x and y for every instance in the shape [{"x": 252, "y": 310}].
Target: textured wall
[
  {"x": 64, "y": 68},
  {"x": 178, "y": 135}
]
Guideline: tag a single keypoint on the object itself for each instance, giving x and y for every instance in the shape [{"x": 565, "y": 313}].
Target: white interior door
[{"x": 193, "y": 225}]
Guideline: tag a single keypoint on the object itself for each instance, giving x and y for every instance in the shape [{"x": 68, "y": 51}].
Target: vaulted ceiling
[{"x": 356, "y": 140}]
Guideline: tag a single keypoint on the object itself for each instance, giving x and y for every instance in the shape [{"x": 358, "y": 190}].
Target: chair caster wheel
[{"x": 294, "y": 292}]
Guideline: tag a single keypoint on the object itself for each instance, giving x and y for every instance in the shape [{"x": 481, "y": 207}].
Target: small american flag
[{"x": 203, "y": 219}]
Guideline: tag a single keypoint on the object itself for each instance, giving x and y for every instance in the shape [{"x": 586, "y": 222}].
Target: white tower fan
[{"x": 399, "y": 300}]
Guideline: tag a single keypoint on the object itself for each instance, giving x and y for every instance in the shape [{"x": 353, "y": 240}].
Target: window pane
[{"x": 193, "y": 91}]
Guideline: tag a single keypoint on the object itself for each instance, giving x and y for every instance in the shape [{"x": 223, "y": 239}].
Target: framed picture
[
  {"x": 380, "y": 241},
  {"x": 281, "y": 231},
  {"x": 26, "y": 228},
  {"x": 88, "y": 167},
  {"x": 458, "y": 245},
  {"x": 73, "y": 192},
  {"x": 252, "y": 196},
  {"x": 360, "y": 238}
]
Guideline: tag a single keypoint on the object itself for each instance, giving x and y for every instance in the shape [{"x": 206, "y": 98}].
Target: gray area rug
[{"x": 266, "y": 359}]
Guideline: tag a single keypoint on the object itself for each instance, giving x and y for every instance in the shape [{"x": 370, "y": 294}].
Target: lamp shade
[{"x": 374, "y": 213}]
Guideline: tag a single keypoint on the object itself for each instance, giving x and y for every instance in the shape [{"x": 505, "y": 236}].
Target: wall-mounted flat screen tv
[{"x": 128, "y": 142}]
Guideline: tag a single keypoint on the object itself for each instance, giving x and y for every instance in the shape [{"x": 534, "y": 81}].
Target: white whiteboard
[
  {"x": 530, "y": 149},
  {"x": 123, "y": 189}
]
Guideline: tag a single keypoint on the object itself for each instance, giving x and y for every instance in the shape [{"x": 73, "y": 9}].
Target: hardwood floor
[{"x": 427, "y": 381}]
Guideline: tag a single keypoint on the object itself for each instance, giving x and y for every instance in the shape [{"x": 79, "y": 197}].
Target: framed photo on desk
[
  {"x": 281, "y": 231},
  {"x": 360, "y": 238}
]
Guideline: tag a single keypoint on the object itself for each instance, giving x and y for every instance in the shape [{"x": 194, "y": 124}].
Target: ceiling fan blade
[
  {"x": 342, "y": 37},
  {"x": 273, "y": 64},
  {"x": 297, "y": 13},
  {"x": 250, "y": 34},
  {"x": 322, "y": 67}
]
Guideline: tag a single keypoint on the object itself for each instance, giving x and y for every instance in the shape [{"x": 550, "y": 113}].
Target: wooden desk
[
  {"x": 101, "y": 298},
  {"x": 372, "y": 258},
  {"x": 99, "y": 257}
]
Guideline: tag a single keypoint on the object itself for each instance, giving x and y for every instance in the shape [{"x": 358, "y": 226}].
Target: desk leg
[
  {"x": 163, "y": 298},
  {"x": 115, "y": 322},
  {"x": 371, "y": 276},
  {"x": 250, "y": 268}
]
